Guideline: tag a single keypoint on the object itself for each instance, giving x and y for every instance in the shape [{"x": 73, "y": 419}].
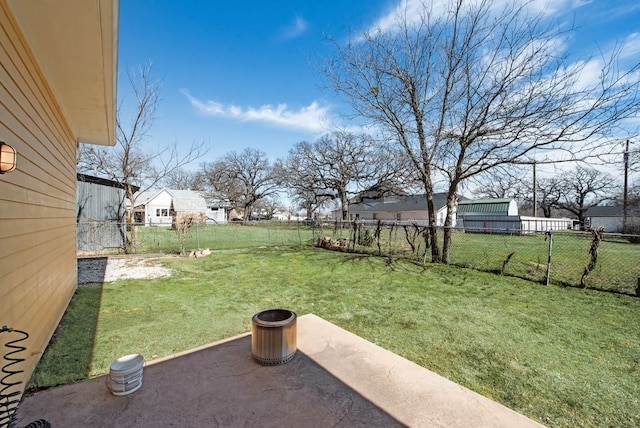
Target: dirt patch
[{"x": 97, "y": 270}]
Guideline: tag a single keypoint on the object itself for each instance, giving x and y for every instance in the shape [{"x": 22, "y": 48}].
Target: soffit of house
[{"x": 75, "y": 43}]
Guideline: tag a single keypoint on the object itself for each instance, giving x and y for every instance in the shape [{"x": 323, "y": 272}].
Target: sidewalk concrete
[{"x": 336, "y": 379}]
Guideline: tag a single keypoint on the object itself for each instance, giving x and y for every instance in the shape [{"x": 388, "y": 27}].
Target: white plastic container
[{"x": 125, "y": 374}]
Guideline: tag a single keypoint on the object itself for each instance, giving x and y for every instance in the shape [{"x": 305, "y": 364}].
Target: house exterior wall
[
  {"x": 158, "y": 210},
  {"x": 610, "y": 224},
  {"x": 216, "y": 215},
  {"x": 37, "y": 200}
]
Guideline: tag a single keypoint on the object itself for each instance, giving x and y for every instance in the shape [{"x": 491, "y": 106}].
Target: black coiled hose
[{"x": 10, "y": 393}]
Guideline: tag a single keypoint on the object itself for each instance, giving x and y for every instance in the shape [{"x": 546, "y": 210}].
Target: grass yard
[
  {"x": 563, "y": 356},
  {"x": 617, "y": 270},
  {"x": 618, "y": 267},
  {"x": 223, "y": 237}
]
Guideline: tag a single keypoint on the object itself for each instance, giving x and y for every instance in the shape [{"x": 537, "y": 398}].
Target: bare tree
[
  {"x": 182, "y": 179},
  {"x": 337, "y": 166},
  {"x": 549, "y": 192},
  {"x": 301, "y": 185},
  {"x": 474, "y": 88},
  {"x": 308, "y": 200},
  {"x": 514, "y": 185},
  {"x": 128, "y": 162},
  {"x": 502, "y": 184},
  {"x": 242, "y": 178},
  {"x": 584, "y": 188},
  {"x": 267, "y": 207},
  {"x": 182, "y": 224},
  {"x": 633, "y": 196}
]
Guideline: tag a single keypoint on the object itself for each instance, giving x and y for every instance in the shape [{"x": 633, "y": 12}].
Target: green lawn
[
  {"x": 617, "y": 270},
  {"x": 563, "y": 356}
]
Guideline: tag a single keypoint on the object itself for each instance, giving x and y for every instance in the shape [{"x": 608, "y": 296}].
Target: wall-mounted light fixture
[{"x": 8, "y": 158}]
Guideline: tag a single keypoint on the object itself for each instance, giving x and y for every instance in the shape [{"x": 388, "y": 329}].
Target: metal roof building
[{"x": 487, "y": 207}]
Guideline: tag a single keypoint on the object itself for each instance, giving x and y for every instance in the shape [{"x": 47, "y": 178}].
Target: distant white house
[
  {"x": 611, "y": 218},
  {"x": 411, "y": 208},
  {"x": 153, "y": 208},
  {"x": 494, "y": 215},
  {"x": 217, "y": 210},
  {"x": 158, "y": 208}
]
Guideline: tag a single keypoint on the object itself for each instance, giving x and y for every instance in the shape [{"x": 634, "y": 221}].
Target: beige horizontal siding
[{"x": 37, "y": 201}]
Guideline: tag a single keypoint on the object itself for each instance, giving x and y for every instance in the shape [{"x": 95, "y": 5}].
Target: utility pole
[
  {"x": 626, "y": 188},
  {"x": 535, "y": 192}
]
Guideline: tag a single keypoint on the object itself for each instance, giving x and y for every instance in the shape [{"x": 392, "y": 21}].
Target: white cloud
[
  {"x": 312, "y": 118},
  {"x": 297, "y": 28},
  {"x": 414, "y": 9},
  {"x": 631, "y": 46}
]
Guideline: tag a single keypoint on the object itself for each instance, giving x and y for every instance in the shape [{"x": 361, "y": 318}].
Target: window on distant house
[
  {"x": 399, "y": 216},
  {"x": 158, "y": 212},
  {"x": 375, "y": 216}
]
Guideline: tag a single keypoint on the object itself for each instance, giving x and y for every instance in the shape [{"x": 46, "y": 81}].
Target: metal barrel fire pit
[{"x": 273, "y": 336}]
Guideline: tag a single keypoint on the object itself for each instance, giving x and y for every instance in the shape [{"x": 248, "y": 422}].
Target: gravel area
[{"x": 94, "y": 271}]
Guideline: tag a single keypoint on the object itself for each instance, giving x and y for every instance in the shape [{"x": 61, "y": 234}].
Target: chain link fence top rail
[{"x": 558, "y": 257}]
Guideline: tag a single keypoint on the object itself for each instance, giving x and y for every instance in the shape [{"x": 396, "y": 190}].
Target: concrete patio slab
[{"x": 336, "y": 379}]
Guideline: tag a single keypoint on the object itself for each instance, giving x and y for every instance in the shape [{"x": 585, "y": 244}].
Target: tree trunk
[
  {"x": 130, "y": 247},
  {"x": 344, "y": 202},
  {"x": 433, "y": 228},
  {"x": 448, "y": 227}
]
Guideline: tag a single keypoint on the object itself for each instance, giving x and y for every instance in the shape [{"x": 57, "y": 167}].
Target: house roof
[
  {"x": 75, "y": 43},
  {"x": 607, "y": 211},
  {"x": 188, "y": 200},
  {"x": 483, "y": 206},
  {"x": 400, "y": 203},
  {"x": 102, "y": 181},
  {"x": 142, "y": 198}
]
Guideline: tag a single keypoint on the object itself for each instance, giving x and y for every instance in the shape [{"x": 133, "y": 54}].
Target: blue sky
[{"x": 239, "y": 74}]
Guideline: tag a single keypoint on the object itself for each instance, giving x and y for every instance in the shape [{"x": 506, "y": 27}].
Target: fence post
[{"x": 548, "y": 278}]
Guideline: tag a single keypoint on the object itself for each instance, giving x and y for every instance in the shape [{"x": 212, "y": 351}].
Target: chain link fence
[
  {"x": 115, "y": 238},
  {"x": 592, "y": 259},
  {"x": 608, "y": 262},
  {"x": 98, "y": 236}
]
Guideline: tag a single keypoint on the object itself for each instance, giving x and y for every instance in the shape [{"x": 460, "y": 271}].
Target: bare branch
[
  {"x": 477, "y": 88},
  {"x": 129, "y": 162}
]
